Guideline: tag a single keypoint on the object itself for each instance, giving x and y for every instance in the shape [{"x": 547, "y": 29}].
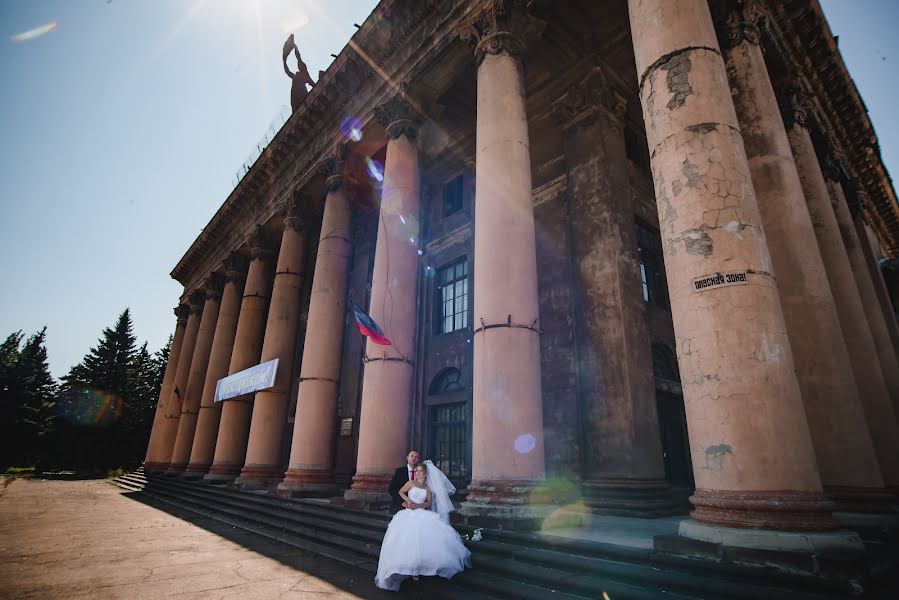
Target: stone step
[
  {"x": 515, "y": 565},
  {"x": 250, "y": 507},
  {"x": 127, "y": 485},
  {"x": 373, "y": 522},
  {"x": 428, "y": 587},
  {"x": 646, "y": 565},
  {"x": 309, "y": 531}
]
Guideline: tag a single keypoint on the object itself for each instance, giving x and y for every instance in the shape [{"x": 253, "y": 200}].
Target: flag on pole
[{"x": 367, "y": 325}]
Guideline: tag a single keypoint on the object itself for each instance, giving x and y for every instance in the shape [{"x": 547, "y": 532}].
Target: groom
[{"x": 400, "y": 477}]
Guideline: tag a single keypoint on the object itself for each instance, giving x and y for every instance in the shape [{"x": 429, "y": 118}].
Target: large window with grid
[
  {"x": 652, "y": 266},
  {"x": 452, "y": 297},
  {"x": 449, "y": 439}
]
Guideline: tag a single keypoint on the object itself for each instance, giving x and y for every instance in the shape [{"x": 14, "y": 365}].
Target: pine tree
[
  {"x": 160, "y": 360},
  {"x": 27, "y": 397},
  {"x": 109, "y": 366}
]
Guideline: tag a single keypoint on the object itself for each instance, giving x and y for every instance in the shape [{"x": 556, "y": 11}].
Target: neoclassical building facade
[{"x": 627, "y": 254}]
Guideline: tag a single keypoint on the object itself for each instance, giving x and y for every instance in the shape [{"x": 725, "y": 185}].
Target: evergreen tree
[
  {"x": 27, "y": 397},
  {"x": 110, "y": 365},
  {"x": 160, "y": 360}
]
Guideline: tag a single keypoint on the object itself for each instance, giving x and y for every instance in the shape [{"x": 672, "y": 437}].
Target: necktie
[{"x": 413, "y": 474}]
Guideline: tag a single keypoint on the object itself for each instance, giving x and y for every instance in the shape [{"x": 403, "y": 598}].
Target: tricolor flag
[{"x": 367, "y": 325}]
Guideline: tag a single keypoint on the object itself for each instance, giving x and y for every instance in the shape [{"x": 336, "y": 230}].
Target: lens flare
[
  {"x": 525, "y": 443},
  {"x": 375, "y": 169},
  {"x": 351, "y": 128},
  {"x": 34, "y": 33},
  {"x": 90, "y": 407}
]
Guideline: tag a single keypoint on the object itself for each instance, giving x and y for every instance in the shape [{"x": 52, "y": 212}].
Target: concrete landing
[{"x": 85, "y": 539}]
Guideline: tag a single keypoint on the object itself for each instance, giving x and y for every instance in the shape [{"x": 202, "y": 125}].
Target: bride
[{"x": 419, "y": 539}]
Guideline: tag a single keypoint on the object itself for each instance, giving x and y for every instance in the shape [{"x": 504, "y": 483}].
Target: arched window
[
  {"x": 447, "y": 380},
  {"x": 664, "y": 362}
]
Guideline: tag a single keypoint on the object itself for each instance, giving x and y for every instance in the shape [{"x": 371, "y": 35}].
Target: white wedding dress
[{"x": 419, "y": 542}]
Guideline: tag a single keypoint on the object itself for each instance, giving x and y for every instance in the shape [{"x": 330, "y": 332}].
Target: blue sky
[{"x": 123, "y": 130}]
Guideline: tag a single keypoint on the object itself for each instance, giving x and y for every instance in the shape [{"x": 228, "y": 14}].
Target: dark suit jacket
[{"x": 400, "y": 477}]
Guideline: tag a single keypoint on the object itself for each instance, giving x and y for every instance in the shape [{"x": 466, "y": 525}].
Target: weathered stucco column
[
  {"x": 263, "y": 462},
  {"x": 752, "y": 452},
  {"x": 871, "y": 249},
  {"x": 624, "y": 468},
  {"x": 863, "y": 356},
  {"x": 193, "y": 393},
  {"x": 880, "y": 329},
  {"x": 387, "y": 381},
  {"x": 234, "y": 427},
  {"x": 845, "y": 453},
  {"x": 203, "y": 449},
  {"x": 162, "y": 456},
  {"x": 310, "y": 471},
  {"x": 507, "y": 426},
  {"x": 168, "y": 380}
]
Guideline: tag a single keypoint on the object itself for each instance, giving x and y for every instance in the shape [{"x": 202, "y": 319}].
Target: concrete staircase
[{"x": 507, "y": 565}]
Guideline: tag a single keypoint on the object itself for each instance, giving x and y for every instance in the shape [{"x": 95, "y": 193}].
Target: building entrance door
[{"x": 675, "y": 443}]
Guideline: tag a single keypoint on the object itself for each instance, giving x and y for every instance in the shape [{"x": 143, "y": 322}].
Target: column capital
[
  {"x": 332, "y": 167},
  {"x": 794, "y": 107},
  {"x": 397, "y": 116},
  {"x": 261, "y": 243},
  {"x": 196, "y": 299},
  {"x": 213, "y": 286},
  {"x": 834, "y": 168},
  {"x": 292, "y": 210},
  {"x": 740, "y": 23},
  {"x": 580, "y": 103},
  {"x": 236, "y": 266},
  {"x": 181, "y": 313},
  {"x": 500, "y": 27}
]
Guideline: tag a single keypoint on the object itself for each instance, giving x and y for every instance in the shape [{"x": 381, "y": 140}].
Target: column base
[
  {"x": 222, "y": 473},
  {"x": 776, "y": 510},
  {"x": 175, "y": 469},
  {"x": 644, "y": 498},
  {"x": 505, "y": 504},
  {"x": 369, "y": 491},
  {"x": 155, "y": 468},
  {"x": 195, "y": 471},
  {"x": 853, "y": 499},
  {"x": 259, "y": 477},
  {"x": 838, "y": 556},
  {"x": 308, "y": 483}
]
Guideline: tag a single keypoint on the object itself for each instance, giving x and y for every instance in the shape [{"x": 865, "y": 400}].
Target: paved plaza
[{"x": 85, "y": 539}]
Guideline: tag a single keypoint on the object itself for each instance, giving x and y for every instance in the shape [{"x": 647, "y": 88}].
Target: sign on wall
[
  {"x": 256, "y": 378},
  {"x": 710, "y": 282}
]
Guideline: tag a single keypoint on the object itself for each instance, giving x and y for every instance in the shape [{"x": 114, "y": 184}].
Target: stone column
[
  {"x": 871, "y": 249},
  {"x": 263, "y": 461},
  {"x": 387, "y": 381},
  {"x": 234, "y": 427},
  {"x": 752, "y": 451},
  {"x": 203, "y": 449},
  {"x": 624, "y": 469},
  {"x": 843, "y": 447},
  {"x": 168, "y": 380},
  {"x": 187, "y": 424},
  {"x": 872, "y": 387},
  {"x": 168, "y": 429},
  {"x": 880, "y": 333},
  {"x": 310, "y": 471},
  {"x": 507, "y": 424}
]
